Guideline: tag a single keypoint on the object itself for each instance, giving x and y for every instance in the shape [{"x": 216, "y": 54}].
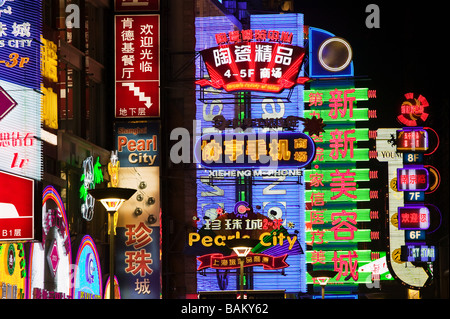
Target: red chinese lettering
[
  {"x": 139, "y": 236},
  {"x": 138, "y": 262},
  {"x": 343, "y": 184},
  {"x": 338, "y": 107},
  {"x": 345, "y": 226},
  {"x": 343, "y": 266},
  {"x": 337, "y": 142}
]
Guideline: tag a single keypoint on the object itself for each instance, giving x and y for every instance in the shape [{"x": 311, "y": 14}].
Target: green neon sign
[
  {"x": 361, "y": 175},
  {"x": 358, "y": 115},
  {"x": 360, "y": 94},
  {"x": 363, "y": 215},
  {"x": 360, "y": 194},
  {"x": 328, "y": 236}
]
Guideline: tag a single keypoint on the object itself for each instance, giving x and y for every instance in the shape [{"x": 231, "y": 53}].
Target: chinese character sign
[
  {"x": 256, "y": 150},
  {"x": 137, "y": 72},
  {"x": 253, "y": 66},
  {"x": 20, "y": 29},
  {"x": 138, "y": 261}
]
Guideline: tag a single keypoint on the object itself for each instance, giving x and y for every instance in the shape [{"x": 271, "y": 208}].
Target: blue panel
[
  {"x": 283, "y": 195},
  {"x": 211, "y": 192},
  {"x": 20, "y": 31},
  {"x": 316, "y": 37}
]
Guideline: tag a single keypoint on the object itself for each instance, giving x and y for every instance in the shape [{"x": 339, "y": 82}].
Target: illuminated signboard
[
  {"x": 413, "y": 110},
  {"x": 50, "y": 261},
  {"x": 256, "y": 150},
  {"x": 418, "y": 253},
  {"x": 17, "y": 213},
  {"x": 137, "y": 75},
  {"x": 243, "y": 222},
  {"x": 253, "y": 60},
  {"x": 20, "y": 131},
  {"x": 138, "y": 223},
  {"x": 412, "y": 140},
  {"x": 212, "y": 192},
  {"x": 136, "y": 5},
  {"x": 218, "y": 261},
  {"x": 88, "y": 273},
  {"x": 20, "y": 30},
  {"x": 412, "y": 179},
  {"x": 413, "y": 217},
  {"x": 12, "y": 271},
  {"x": 334, "y": 191}
]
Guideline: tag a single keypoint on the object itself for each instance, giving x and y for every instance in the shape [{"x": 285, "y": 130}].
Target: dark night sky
[{"x": 406, "y": 54}]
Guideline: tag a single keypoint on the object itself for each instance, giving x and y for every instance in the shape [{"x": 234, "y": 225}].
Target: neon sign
[
  {"x": 412, "y": 179},
  {"x": 256, "y": 150},
  {"x": 219, "y": 261},
  {"x": 20, "y": 27},
  {"x": 412, "y": 140},
  {"x": 413, "y": 217},
  {"x": 418, "y": 253},
  {"x": 413, "y": 110},
  {"x": 88, "y": 274},
  {"x": 251, "y": 64}
]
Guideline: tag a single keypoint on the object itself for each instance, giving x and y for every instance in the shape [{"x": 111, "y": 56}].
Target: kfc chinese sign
[
  {"x": 137, "y": 75},
  {"x": 253, "y": 60}
]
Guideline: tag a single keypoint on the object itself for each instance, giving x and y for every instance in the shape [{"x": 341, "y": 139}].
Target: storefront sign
[
  {"x": 412, "y": 178},
  {"x": 20, "y": 30},
  {"x": 17, "y": 213},
  {"x": 253, "y": 60},
  {"x": 219, "y": 261},
  {"x": 137, "y": 76},
  {"x": 50, "y": 261},
  {"x": 269, "y": 150},
  {"x": 20, "y": 131},
  {"x": 413, "y": 110},
  {"x": 138, "y": 144},
  {"x": 413, "y": 217},
  {"x": 412, "y": 140},
  {"x": 418, "y": 253},
  {"x": 88, "y": 272},
  {"x": 12, "y": 271}
]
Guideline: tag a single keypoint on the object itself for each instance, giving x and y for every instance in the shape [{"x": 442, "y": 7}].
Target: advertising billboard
[
  {"x": 138, "y": 266},
  {"x": 137, "y": 73}
]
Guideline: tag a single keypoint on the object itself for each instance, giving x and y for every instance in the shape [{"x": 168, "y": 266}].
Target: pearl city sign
[{"x": 253, "y": 60}]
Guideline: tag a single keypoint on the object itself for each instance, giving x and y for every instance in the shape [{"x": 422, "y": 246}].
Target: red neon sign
[
  {"x": 219, "y": 261},
  {"x": 413, "y": 110},
  {"x": 253, "y": 66}
]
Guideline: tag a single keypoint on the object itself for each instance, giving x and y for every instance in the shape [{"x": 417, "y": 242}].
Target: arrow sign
[
  {"x": 139, "y": 94},
  {"x": 6, "y": 103}
]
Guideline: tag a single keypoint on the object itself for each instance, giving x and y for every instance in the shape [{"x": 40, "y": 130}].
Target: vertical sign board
[
  {"x": 138, "y": 225},
  {"x": 212, "y": 192},
  {"x": 334, "y": 223},
  {"x": 282, "y": 196},
  {"x": 20, "y": 75},
  {"x": 88, "y": 273},
  {"x": 12, "y": 271},
  {"x": 50, "y": 261},
  {"x": 137, "y": 75}
]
